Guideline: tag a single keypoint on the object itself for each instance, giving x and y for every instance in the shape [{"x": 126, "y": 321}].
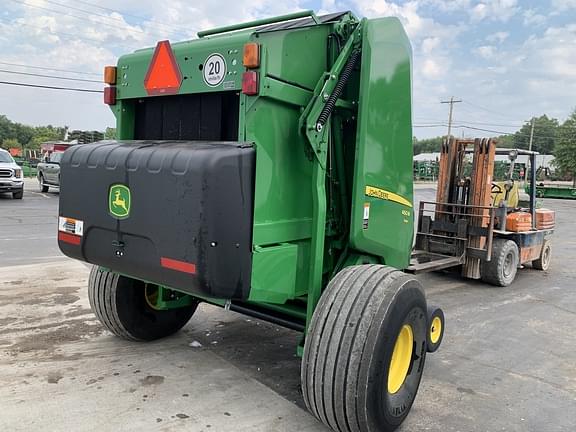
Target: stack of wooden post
[{"x": 480, "y": 195}]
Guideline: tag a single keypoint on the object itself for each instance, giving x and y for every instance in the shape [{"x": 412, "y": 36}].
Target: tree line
[
  {"x": 18, "y": 135},
  {"x": 550, "y": 137}
]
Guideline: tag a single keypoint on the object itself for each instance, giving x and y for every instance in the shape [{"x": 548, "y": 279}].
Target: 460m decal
[{"x": 382, "y": 194}]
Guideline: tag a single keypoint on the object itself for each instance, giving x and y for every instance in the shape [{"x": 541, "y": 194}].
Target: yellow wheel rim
[
  {"x": 435, "y": 329},
  {"x": 151, "y": 294},
  {"x": 401, "y": 359}
]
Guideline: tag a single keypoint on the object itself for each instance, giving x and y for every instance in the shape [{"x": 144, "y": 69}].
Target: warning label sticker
[
  {"x": 71, "y": 226},
  {"x": 214, "y": 70},
  {"x": 366, "y": 216}
]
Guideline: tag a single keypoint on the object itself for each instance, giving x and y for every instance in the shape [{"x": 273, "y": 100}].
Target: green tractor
[{"x": 265, "y": 168}]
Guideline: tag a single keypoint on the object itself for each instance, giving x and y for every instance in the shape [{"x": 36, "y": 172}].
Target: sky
[{"x": 507, "y": 60}]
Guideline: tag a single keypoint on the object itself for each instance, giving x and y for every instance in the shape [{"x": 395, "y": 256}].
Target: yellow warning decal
[{"x": 386, "y": 195}]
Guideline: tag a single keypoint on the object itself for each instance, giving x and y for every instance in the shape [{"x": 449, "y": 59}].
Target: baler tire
[
  {"x": 120, "y": 304},
  {"x": 349, "y": 348},
  {"x": 499, "y": 271},
  {"x": 543, "y": 262}
]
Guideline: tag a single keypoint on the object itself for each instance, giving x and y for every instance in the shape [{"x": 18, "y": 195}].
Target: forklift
[
  {"x": 476, "y": 225},
  {"x": 266, "y": 168}
]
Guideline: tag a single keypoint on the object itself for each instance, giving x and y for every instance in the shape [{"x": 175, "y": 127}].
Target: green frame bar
[{"x": 263, "y": 21}]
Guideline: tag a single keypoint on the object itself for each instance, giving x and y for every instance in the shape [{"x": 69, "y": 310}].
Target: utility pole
[
  {"x": 531, "y": 135},
  {"x": 452, "y": 101}
]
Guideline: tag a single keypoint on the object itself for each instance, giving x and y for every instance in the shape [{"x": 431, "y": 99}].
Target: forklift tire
[
  {"x": 365, "y": 349},
  {"x": 501, "y": 269},
  {"x": 543, "y": 263},
  {"x": 120, "y": 304},
  {"x": 436, "y": 328}
]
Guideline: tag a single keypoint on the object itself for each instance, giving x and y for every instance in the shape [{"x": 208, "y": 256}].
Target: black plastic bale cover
[{"x": 190, "y": 219}]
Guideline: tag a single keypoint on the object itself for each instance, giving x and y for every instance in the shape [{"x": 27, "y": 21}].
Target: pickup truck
[
  {"x": 49, "y": 171},
  {"x": 11, "y": 176}
]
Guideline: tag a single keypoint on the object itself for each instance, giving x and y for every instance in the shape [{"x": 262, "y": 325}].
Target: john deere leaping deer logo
[{"x": 119, "y": 201}]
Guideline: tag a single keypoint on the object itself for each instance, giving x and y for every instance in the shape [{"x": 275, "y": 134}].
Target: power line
[
  {"x": 49, "y": 76},
  {"x": 131, "y": 15},
  {"x": 476, "y": 123},
  {"x": 50, "y": 87},
  {"x": 98, "y": 14},
  {"x": 50, "y": 69},
  {"x": 59, "y": 33},
  {"x": 487, "y": 109},
  {"x": 459, "y": 126},
  {"x": 504, "y": 133},
  {"x": 123, "y": 28}
]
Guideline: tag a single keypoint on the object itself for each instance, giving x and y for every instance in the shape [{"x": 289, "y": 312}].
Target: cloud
[
  {"x": 563, "y": 5},
  {"x": 494, "y": 10},
  {"x": 499, "y": 37},
  {"x": 485, "y": 51},
  {"x": 533, "y": 19},
  {"x": 51, "y": 37}
]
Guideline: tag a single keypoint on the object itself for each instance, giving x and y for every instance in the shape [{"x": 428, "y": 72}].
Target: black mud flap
[{"x": 174, "y": 213}]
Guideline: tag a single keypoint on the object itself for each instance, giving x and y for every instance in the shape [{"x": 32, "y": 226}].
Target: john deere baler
[{"x": 265, "y": 167}]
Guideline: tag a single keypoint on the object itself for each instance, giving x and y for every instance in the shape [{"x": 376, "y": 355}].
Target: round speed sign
[{"x": 214, "y": 70}]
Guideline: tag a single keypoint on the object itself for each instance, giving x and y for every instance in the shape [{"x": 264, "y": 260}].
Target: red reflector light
[
  {"x": 250, "y": 83},
  {"x": 163, "y": 76},
  {"x": 181, "y": 266},
  {"x": 69, "y": 238},
  {"x": 110, "y": 95}
]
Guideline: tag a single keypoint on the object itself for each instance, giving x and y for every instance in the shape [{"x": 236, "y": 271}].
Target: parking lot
[{"x": 507, "y": 362}]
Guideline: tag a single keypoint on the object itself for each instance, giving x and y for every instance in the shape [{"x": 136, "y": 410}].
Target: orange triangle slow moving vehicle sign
[{"x": 163, "y": 76}]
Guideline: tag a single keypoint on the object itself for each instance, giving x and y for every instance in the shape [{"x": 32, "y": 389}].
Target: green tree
[
  {"x": 565, "y": 152},
  {"x": 427, "y": 145},
  {"x": 11, "y": 143},
  {"x": 545, "y": 130},
  {"x": 6, "y": 129},
  {"x": 110, "y": 133},
  {"x": 24, "y": 134}
]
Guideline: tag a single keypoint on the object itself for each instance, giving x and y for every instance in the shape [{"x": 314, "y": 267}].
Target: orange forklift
[{"x": 477, "y": 224}]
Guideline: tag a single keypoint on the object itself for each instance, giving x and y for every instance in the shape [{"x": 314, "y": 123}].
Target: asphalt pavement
[
  {"x": 28, "y": 226},
  {"x": 507, "y": 362}
]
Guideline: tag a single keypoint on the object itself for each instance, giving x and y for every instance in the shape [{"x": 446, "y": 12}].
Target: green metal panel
[
  {"x": 190, "y": 57},
  {"x": 297, "y": 56},
  {"x": 274, "y": 273},
  {"x": 384, "y": 146}
]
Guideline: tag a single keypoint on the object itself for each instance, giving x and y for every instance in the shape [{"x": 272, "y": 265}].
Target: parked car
[
  {"x": 11, "y": 176},
  {"x": 49, "y": 171}
]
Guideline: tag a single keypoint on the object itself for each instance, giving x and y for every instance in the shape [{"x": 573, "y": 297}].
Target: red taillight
[
  {"x": 250, "y": 83},
  {"x": 110, "y": 95}
]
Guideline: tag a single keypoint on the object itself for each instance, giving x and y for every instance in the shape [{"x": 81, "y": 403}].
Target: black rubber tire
[
  {"x": 42, "y": 186},
  {"x": 349, "y": 346},
  {"x": 543, "y": 263},
  {"x": 433, "y": 312},
  {"x": 120, "y": 304},
  {"x": 18, "y": 195},
  {"x": 498, "y": 271}
]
